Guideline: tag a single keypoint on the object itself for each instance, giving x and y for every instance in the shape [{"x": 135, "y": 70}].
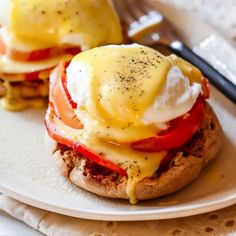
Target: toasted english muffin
[{"x": 184, "y": 166}]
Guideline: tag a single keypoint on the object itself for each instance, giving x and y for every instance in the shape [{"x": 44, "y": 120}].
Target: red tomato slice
[
  {"x": 206, "y": 88},
  {"x": 73, "y": 51},
  {"x": 60, "y": 138},
  {"x": 36, "y": 55},
  {"x": 51, "y": 52},
  {"x": 2, "y": 47},
  {"x": 64, "y": 84},
  {"x": 59, "y": 99},
  {"x": 35, "y": 75},
  {"x": 180, "y": 132},
  {"x": 29, "y": 56},
  {"x": 39, "y": 54},
  {"x": 32, "y": 76}
]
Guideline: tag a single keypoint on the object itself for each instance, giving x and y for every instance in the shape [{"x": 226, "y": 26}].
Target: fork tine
[
  {"x": 146, "y": 18},
  {"x": 121, "y": 8},
  {"x": 145, "y": 6},
  {"x": 141, "y": 8},
  {"x": 134, "y": 10}
]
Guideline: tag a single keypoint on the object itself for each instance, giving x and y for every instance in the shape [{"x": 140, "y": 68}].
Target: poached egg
[
  {"x": 130, "y": 89},
  {"x": 124, "y": 94},
  {"x": 35, "y": 24}
]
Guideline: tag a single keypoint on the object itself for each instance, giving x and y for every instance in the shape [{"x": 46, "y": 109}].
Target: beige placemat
[{"x": 222, "y": 222}]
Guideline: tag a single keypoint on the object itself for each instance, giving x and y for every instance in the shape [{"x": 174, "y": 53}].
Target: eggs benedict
[
  {"x": 36, "y": 35},
  {"x": 130, "y": 122}
]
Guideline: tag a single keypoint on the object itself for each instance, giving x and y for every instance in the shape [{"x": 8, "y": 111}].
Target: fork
[{"x": 148, "y": 27}]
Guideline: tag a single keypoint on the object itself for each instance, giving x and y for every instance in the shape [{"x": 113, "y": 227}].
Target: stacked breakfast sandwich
[{"x": 36, "y": 35}]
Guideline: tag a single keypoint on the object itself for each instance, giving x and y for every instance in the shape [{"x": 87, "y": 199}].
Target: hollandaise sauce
[
  {"x": 42, "y": 24},
  {"x": 113, "y": 87},
  {"x": 137, "y": 165}
]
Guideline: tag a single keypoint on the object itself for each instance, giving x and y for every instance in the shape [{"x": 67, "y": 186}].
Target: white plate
[{"x": 27, "y": 172}]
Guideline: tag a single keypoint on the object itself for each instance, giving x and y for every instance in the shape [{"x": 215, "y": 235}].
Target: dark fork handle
[{"x": 217, "y": 79}]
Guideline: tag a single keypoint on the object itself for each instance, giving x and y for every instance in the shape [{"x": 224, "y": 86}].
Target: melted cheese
[
  {"x": 138, "y": 165},
  {"x": 10, "y": 66},
  {"x": 41, "y": 24}
]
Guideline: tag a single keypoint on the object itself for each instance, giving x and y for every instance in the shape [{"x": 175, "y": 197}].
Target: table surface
[{"x": 12, "y": 227}]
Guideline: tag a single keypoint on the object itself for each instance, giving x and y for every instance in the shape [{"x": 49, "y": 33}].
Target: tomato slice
[
  {"x": 73, "y": 50},
  {"x": 39, "y": 54},
  {"x": 2, "y": 47},
  {"x": 60, "y": 138},
  {"x": 32, "y": 76},
  {"x": 51, "y": 52},
  {"x": 35, "y": 75},
  {"x": 180, "y": 132},
  {"x": 64, "y": 84},
  {"x": 36, "y": 55},
  {"x": 206, "y": 88},
  {"x": 59, "y": 99}
]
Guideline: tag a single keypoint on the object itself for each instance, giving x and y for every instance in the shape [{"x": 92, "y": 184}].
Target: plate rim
[{"x": 127, "y": 215}]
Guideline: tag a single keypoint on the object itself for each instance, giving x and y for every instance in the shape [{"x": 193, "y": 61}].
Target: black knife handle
[{"x": 217, "y": 79}]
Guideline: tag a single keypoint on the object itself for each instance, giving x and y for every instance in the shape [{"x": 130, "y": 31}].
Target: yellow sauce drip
[{"x": 138, "y": 165}]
